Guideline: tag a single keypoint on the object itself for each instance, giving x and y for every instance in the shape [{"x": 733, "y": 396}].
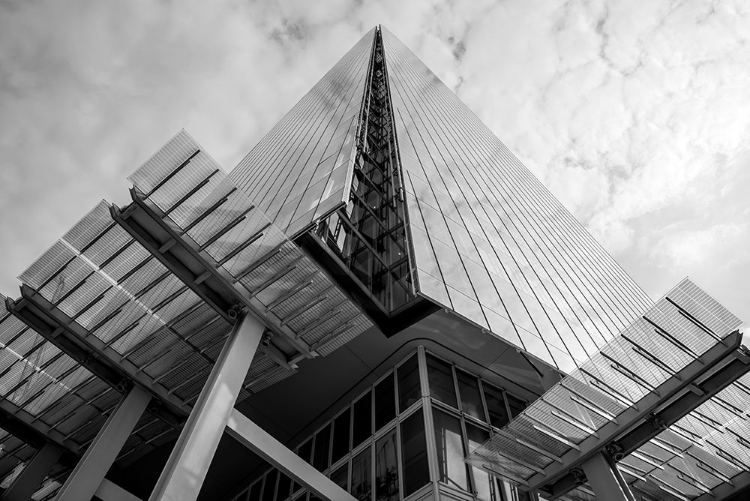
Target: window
[
  {"x": 282, "y": 491},
  {"x": 361, "y": 483},
  {"x": 385, "y": 402},
  {"x": 386, "y": 468},
  {"x": 322, "y": 448},
  {"x": 516, "y": 405},
  {"x": 409, "y": 390},
  {"x": 476, "y": 437},
  {"x": 362, "y": 428},
  {"x": 270, "y": 485},
  {"x": 440, "y": 376},
  {"x": 471, "y": 399},
  {"x": 495, "y": 406},
  {"x": 341, "y": 436},
  {"x": 414, "y": 453},
  {"x": 340, "y": 477},
  {"x": 255, "y": 490},
  {"x": 450, "y": 450}
]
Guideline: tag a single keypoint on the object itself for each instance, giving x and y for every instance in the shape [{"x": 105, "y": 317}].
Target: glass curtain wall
[
  {"x": 376, "y": 447},
  {"x": 490, "y": 242}
]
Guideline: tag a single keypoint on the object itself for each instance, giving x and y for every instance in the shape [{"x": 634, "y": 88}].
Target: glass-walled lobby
[{"x": 405, "y": 438}]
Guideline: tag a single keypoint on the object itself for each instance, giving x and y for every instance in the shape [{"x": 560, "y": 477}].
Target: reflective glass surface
[
  {"x": 299, "y": 171},
  {"x": 698, "y": 453},
  {"x": 490, "y": 242}
]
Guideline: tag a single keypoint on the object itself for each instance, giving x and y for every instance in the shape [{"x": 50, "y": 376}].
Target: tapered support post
[
  {"x": 605, "y": 479},
  {"x": 101, "y": 454},
  {"x": 273, "y": 451},
  {"x": 32, "y": 476},
  {"x": 183, "y": 475}
]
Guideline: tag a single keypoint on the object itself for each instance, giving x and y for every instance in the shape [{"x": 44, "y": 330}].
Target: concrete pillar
[
  {"x": 93, "y": 466},
  {"x": 187, "y": 466},
  {"x": 33, "y": 474},
  {"x": 605, "y": 479}
]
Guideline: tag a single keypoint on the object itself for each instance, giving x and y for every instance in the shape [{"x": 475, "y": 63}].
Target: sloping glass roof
[{"x": 693, "y": 456}]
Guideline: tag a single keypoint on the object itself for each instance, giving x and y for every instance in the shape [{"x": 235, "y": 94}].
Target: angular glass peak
[{"x": 368, "y": 235}]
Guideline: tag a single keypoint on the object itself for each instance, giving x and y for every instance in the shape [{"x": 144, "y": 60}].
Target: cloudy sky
[{"x": 636, "y": 114}]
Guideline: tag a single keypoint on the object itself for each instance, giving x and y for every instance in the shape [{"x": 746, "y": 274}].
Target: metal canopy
[
  {"x": 146, "y": 295},
  {"x": 659, "y": 399}
]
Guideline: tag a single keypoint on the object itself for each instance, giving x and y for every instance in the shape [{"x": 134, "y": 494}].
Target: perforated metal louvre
[
  {"x": 40, "y": 383},
  {"x": 267, "y": 269},
  {"x": 693, "y": 456}
]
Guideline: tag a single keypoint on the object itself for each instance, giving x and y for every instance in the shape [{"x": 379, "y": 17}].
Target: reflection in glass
[
  {"x": 340, "y": 436},
  {"x": 361, "y": 482},
  {"x": 362, "y": 426},
  {"x": 340, "y": 477},
  {"x": 471, "y": 400},
  {"x": 440, "y": 376},
  {"x": 386, "y": 468},
  {"x": 322, "y": 447},
  {"x": 495, "y": 406},
  {"x": 450, "y": 450},
  {"x": 476, "y": 437},
  {"x": 408, "y": 383},
  {"x": 414, "y": 453},
  {"x": 385, "y": 402}
]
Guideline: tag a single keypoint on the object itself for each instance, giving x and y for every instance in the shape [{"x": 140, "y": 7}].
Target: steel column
[
  {"x": 276, "y": 453},
  {"x": 186, "y": 469},
  {"x": 605, "y": 479},
  {"x": 90, "y": 470},
  {"x": 32, "y": 475}
]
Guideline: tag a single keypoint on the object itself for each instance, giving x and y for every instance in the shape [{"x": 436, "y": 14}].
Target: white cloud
[{"x": 634, "y": 113}]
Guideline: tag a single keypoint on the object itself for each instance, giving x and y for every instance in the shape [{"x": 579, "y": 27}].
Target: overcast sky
[{"x": 636, "y": 114}]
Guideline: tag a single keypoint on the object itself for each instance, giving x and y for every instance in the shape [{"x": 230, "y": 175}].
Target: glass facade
[
  {"x": 490, "y": 242},
  {"x": 415, "y": 197},
  {"x": 377, "y": 446},
  {"x": 301, "y": 170}
]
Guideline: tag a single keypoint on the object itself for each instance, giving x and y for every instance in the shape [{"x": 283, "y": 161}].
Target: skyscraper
[
  {"x": 379, "y": 286},
  {"x": 385, "y": 162}
]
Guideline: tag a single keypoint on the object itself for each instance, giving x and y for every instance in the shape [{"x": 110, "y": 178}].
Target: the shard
[{"x": 380, "y": 303}]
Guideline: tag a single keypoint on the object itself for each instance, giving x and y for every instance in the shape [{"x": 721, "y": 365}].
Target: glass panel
[
  {"x": 408, "y": 383},
  {"x": 414, "y": 453},
  {"x": 282, "y": 491},
  {"x": 362, "y": 420},
  {"x": 441, "y": 381},
  {"x": 476, "y": 437},
  {"x": 322, "y": 448},
  {"x": 361, "y": 480},
  {"x": 386, "y": 468},
  {"x": 495, "y": 406},
  {"x": 471, "y": 399},
  {"x": 450, "y": 450},
  {"x": 255, "y": 490},
  {"x": 340, "y": 477},
  {"x": 516, "y": 405},
  {"x": 270, "y": 485},
  {"x": 305, "y": 450},
  {"x": 341, "y": 436},
  {"x": 385, "y": 402}
]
